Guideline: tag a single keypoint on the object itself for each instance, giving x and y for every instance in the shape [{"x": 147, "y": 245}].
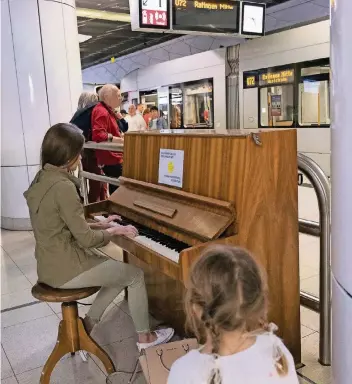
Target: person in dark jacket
[{"x": 97, "y": 191}]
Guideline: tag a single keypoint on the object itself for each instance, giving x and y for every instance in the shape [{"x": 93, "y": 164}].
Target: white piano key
[
  {"x": 151, "y": 244},
  {"x": 161, "y": 249}
]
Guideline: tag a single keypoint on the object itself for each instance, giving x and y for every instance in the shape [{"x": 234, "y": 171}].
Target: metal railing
[
  {"x": 322, "y": 229},
  {"x": 321, "y": 186}
]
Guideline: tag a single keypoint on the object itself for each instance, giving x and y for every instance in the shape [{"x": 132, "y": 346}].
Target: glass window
[
  {"x": 176, "y": 100},
  {"x": 314, "y": 96},
  {"x": 276, "y": 106},
  {"x": 198, "y": 104}
]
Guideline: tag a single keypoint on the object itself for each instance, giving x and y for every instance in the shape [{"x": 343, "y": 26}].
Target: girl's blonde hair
[{"x": 227, "y": 291}]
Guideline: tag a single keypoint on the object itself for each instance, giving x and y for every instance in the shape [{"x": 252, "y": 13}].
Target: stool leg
[
  {"x": 89, "y": 345},
  {"x": 61, "y": 348}
]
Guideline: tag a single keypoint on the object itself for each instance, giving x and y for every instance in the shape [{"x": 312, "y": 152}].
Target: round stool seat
[{"x": 43, "y": 292}]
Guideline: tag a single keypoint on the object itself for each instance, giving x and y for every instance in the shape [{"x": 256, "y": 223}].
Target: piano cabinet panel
[{"x": 165, "y": 295}]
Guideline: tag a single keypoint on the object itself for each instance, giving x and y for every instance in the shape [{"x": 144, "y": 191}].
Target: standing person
[
  {"x": 226, "y": 305},
  {"x": 147, "y": 116},
  {"x": 140, "y": 109},
  {"x": 97, "y": 191},
  {"x": 156, "y": 121},
  {"x": 105, "y": 128},
  {"x": 135, "y": 120},
  {"x": 124, "y": 114},
  {"x": 64, "y": 239}
]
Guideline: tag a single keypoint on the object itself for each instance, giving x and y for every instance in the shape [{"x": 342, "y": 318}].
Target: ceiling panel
[{"x": 115, "y": 38}]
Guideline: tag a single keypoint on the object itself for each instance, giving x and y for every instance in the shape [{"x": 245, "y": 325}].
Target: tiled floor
[{"x": 29, "y": 328}]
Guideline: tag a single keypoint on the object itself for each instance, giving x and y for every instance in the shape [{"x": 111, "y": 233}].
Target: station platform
[{"x": 29, "y": 327}]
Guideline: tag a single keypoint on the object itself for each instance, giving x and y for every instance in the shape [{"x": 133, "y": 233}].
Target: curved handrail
[{"x": 321, "y": 186}]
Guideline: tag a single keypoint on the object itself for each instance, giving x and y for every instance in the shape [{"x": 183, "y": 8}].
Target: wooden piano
[{"x": 238, "y": 188}]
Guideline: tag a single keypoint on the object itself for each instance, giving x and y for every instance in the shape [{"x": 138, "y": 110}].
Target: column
[
  {"x": 341, "y": 176},
  {"x": 40, "y": 85}
]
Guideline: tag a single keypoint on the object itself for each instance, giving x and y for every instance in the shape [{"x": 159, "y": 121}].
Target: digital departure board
[{"x": 206, "y": 16}]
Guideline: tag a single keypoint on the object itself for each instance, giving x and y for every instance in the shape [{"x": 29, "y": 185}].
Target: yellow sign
[
  {"x": 279, "y": 77},
  {"x": 170, "y": 167},
  {"x": 250, "y": 81}
]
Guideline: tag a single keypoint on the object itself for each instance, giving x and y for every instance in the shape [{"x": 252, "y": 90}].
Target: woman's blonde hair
[
  {"x": 87, "y": 98},
  {"x": 227, "y": 291}
]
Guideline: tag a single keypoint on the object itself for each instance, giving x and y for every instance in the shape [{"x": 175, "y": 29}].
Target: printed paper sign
[{"x": 171, "y": 167}]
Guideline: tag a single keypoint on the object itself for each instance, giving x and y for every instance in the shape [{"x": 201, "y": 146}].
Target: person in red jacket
[{"x": 105, "y": 129}]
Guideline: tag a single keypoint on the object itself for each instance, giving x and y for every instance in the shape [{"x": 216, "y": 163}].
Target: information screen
[
  {"x": 206, "y": 16},
  {"x": 154, "y": 14}
]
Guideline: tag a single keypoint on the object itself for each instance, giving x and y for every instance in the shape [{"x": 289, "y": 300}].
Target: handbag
[{"x": 156, "y": 361}]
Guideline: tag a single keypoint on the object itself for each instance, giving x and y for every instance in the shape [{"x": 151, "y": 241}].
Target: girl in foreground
[
  {"x": 226, "y": 305},
  {"x": 64, "y": 239}
]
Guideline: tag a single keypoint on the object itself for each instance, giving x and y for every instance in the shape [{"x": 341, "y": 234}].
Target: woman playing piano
[{"x": 64, "y": 239}]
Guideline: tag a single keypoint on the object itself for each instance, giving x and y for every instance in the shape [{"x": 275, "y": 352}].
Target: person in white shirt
[
  {"x": 135, "y": 120},
  {"x": 226, "y": 306}
]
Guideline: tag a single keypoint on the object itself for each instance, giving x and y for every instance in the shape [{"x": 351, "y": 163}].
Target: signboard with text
[
  {"x": 206, "y": 16},
  {"x": 171, "y": 167},
  {"x": 285, "y": 76},
  {"x": 268, "y": 77},
  {"x": 154, "y": 14}
]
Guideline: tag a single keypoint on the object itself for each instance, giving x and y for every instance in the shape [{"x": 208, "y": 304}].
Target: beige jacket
[{"x": 63, "y": 237}]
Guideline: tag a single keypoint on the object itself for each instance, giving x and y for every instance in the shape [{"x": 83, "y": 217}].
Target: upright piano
[{"x": 237, "y": 188}]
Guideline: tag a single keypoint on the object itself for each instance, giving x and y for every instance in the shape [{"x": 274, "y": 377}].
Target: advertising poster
[{"x": 275, "y": 105}]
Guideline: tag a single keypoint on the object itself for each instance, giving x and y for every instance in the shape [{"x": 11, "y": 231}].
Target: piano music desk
[{"x": 237, "y": 189}]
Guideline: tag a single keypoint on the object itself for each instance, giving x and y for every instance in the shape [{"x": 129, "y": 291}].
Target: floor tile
[
  {"x": 23, "y": 256},
  {"x": 310, "y": 353},
  {"x": 305, "y": 331},
  {"x": 13, "y": 280},
  {"x": 30, "y": 271},
  {"x": 6, "y": 370},
  {"x": 28, "y": 345},
  {"x": 123, "y": 378},
  {"x": 306, "y": 272},
  {"x": 6, "y": 260},
  {"x": 17, "y": 298},
  {"x": 310, "y": 319},
  {"x": 22, "y": 315},
  {"x": 70, "y": 370},
  {"x": 311, "y": 285},
  {"x": 10, "y": 380},
  {"x": 308, "y": 204},
  {"x": 124, "y": 354},
  {"x": 115, "y": 326},
  {"x": 309, "y": 254},
  {"x": 13, "y": 241}
]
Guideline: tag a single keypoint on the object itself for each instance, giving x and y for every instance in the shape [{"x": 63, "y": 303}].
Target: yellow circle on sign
[{"x": 170, "y": 167}]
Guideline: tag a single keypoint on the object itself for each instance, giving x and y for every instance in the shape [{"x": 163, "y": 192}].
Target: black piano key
[{"x": 158, "y": 237}]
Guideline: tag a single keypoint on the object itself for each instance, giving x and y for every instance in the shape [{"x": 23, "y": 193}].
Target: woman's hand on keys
[{"x": 126, "y": 230}]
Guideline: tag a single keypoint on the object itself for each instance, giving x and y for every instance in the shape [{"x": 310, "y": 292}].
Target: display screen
[
  {"x": 284, "y": 76},
  {"x": 253, "y": 19},
  {"x": 154, "y": 14},
  {"x": 206, "y": 16}
]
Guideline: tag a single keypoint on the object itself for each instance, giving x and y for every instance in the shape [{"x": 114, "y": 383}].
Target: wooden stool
[{"x": 72, "y": 336}]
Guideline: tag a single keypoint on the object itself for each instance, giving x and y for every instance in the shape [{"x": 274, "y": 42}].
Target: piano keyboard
[{"x": 158, "y": 242}]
